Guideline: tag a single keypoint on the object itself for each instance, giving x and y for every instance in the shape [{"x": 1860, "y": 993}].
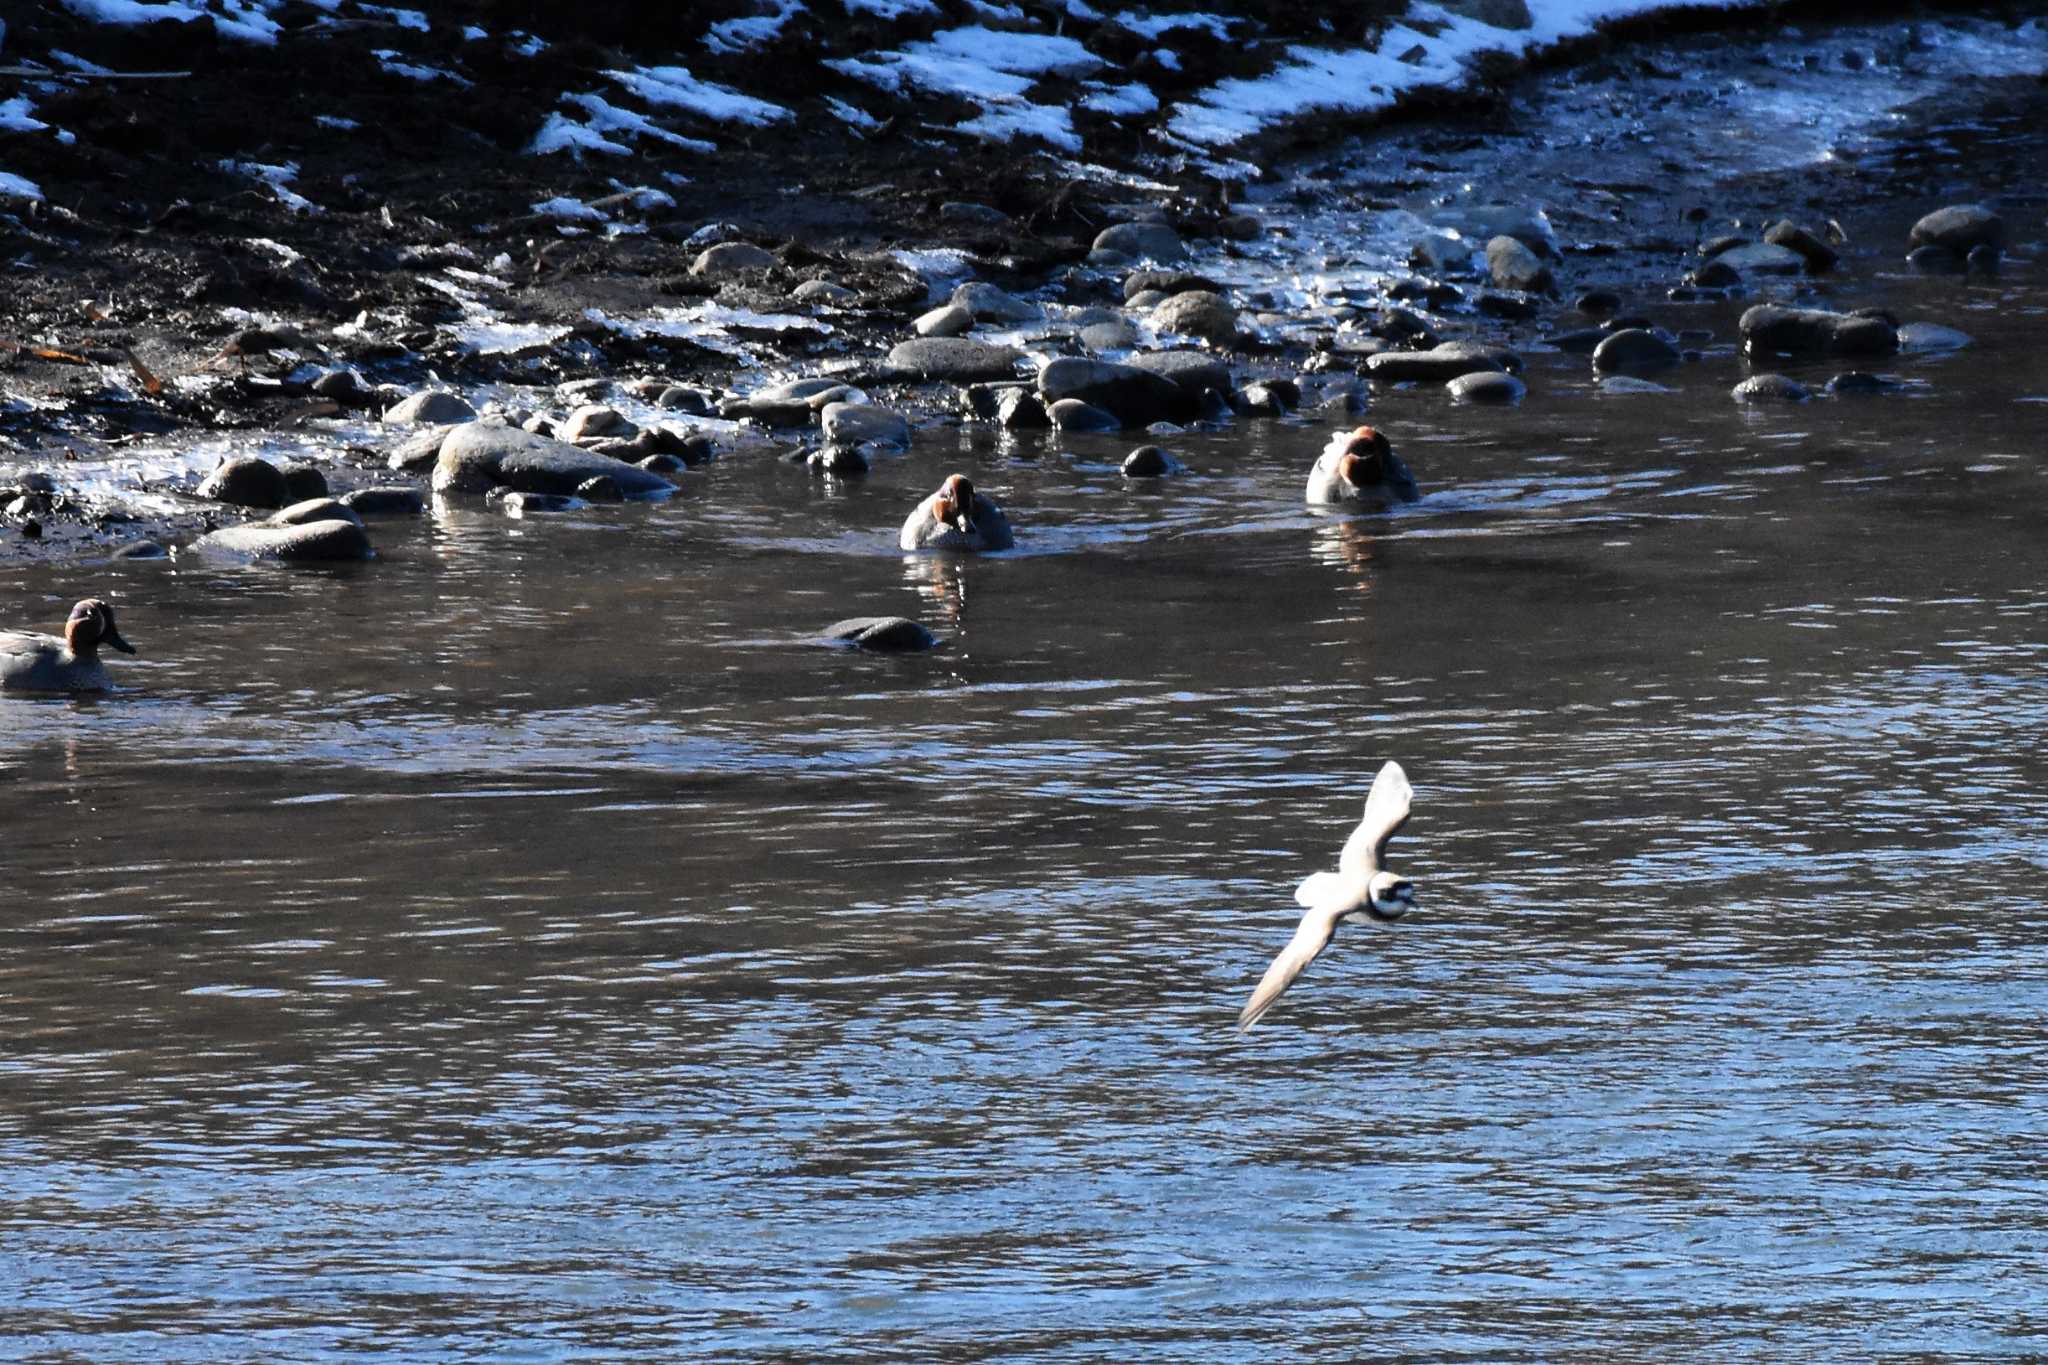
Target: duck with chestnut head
[
  {"x": 1359, "y": 468},
  {"x": 47, "y": 663},
  {"x": 956, "y": 518}
]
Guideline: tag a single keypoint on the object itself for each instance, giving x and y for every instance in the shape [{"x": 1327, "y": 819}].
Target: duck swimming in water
[
  {"x": 1361, "y": 885},
  {"x": 956, "y": 518},
  {"x": 45, "y": 663},
  {"x": 1360, "y": 467}
]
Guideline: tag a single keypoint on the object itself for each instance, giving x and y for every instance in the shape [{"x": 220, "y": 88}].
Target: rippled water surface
[{"x": 534, "y": 945}]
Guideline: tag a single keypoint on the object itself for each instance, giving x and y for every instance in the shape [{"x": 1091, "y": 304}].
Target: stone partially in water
[
  {"x": 1771, "y": 388},
  {"x": 302, "y": 481},
  {"x": 1495, "y": 387},
  {"x": 1134, "y": 394},
  {"x": 1438, "y": 365},
  {"x": 1194, "y": 373},
  {"x": 837, "y": 459},
  {"x": 1858, "y": 382},
  {"x": 1817, "y": 254},
  {"x": 1022, "y": 410},
  {"x": 1958, "y": 228},
  {"x": 1935, "y": 260},
  {"x": 385, "y": 500},
  {"x": 322, "y": 531},
  {"x": 476, "y": 458},
  {"x": 1150, "y": 462},
  {"x": 1771, "y": 328},
  {"x": 1635, "y": 349},
  {"x": 885, "y": 634},
  {"x": 311, "y": 510},
  {"x": 864, "y": 423},
  {"x": 1072, "y": 414},
  {"x": 246, "y": 481}
]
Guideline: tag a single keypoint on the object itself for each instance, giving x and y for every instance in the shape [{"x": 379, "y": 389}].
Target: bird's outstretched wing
[
  {"x": 1386, "y": 810},
  {"x": 1313, "y": 935}
]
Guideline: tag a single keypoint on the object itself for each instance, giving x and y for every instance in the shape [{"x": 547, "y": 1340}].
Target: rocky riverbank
[{"x": 193, "y": 286}]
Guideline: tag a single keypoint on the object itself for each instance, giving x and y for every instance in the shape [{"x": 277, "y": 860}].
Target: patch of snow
[
  {"x": 737, "y": 35},
  {"x": 528, "y": 45},
  {"x": 1080, "y": 9},
  {"x": 1002, "y": 14},
  {"x": 336, "y": 121},
  {"x": 1152, "y": 25},
  {"x": 279, "y": 179},
  {"x": 1168, "y": 59},
  {"x": 561, "y": 134},
  {"x": 472, "y": 34},
  {"x": 645, "y": 197},
  {"x": 1121, "y": 99},
  {"x": 491, "y": 336},
  {"x": 235, "y": 18},
  {"x": 675, "y": 86},
  {"x": 389, "y": 59},
  {"x": 853, "y": 115},
  {"x": 1034, "y": 54},
  {"x": 404, "y": 18},
  {"x": 707, "y": 324},
  {"x": 1007, "y": 121},
  {"x": 14, "y": 117},
  {"x": 15, "y": 187},
  {"x": 602, "y": 116},
  {"x": 78, "y": 63},
  {"x": 889, "y": 9},
  {"x": 568, "y": 210},
  {"x": 276, "y": 248}
]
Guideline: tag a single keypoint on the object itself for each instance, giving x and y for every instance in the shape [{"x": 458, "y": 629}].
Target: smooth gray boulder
[
  {"x": 246, "y": 481},
  {"x": 385, "y": 500},
  {"x": 961, "y": 360},
  {"x": 1135, "y": 395},
  {"x": 947, "y": 320},
  {"x": 886, "y": 634},
  {"x": 321, "y": 531},
  {"x": 434, "y": 405},
  {"x": 1819, "y": 256},
  {"x": 1512, "y": 265},
  {"x": 1153, "y": 241},
  {"x": 824, "y": 293},
  {"x": 1438, "y": 365},
  {"x": 1109, "y": 336},
  {"x": 731, "y": 258},
  {"x": 794, "y": 402},
  {"x": 1198, "y": 313},
  {"x": 476, "y": 458},
  {"x": 1193, "y": 372},
  {"x": 987, "y": 303},
  {"x": 417, "y": 452},
  {"x": 1072, "y": 414},
  {"x": 594, "y": 420},
  {"x": 1771, "y": 388},
  {"x": 1635, "y": 348},
  {"x": 1487, "y": 387},
  {"x": 1150, "y": 462},
  {"x": 1771, "y": 328},
  {"x": 864, "y": 423},
  {"x": 1959, "y": 228}
]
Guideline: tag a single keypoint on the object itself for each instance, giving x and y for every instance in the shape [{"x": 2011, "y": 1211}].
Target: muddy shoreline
[{"x": 153, "y": 299}]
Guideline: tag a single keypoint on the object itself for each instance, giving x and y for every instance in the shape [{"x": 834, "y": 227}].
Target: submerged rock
[
  {"x": 886, "y": 634},
  {"x": 1771, "y": 388},
  {"x": 1150, "y": 462},
  {"x": 1487, "y": 387},
  {"x": 1636, "y": 349}
]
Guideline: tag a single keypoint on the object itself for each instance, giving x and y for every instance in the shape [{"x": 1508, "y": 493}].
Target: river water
[{"x": 533, "y": 945}]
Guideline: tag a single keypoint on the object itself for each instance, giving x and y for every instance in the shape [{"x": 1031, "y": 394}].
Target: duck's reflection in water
[
  {"x": 1346, "y": 544},
  {"x": 941, "y": 581}
]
